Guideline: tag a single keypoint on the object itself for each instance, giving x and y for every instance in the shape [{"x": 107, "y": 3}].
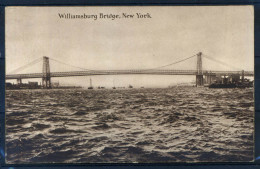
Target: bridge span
[
  {"x": 200, "y": 74},
  {"x": 127, "y": 72}
]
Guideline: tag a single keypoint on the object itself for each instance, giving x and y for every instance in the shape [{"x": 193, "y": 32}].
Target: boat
[
  {"x": 114, "y": 87},
  {"x": 221, "y": 85},
  {"x": 90, "y": 87}
]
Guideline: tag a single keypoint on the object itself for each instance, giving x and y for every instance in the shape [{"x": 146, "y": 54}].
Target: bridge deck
[{"x": 124, "y": 72}]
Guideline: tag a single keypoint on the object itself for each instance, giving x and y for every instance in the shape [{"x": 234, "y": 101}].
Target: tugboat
[{"x": 90, "y": 87}]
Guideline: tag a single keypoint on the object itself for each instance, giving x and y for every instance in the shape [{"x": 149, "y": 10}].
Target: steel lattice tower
[
  {"x": 199, "y": 76},
  {"x": 46, "y": 75}
]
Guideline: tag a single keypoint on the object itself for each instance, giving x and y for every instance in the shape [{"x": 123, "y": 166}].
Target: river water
[{"x": 182, "y": 124}]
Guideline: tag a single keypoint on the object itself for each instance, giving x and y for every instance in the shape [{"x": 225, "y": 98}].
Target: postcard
[{"x": 129, "y": 84}]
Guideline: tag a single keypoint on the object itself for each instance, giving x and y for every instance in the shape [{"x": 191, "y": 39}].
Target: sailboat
[
  {"x": 114, "y": 87},
  {"x": 90, "y": 87}
]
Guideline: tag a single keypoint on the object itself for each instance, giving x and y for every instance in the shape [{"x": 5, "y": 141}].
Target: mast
[
  {"x": 90, "y": 82},
  {"x": 114, "y": 83}
]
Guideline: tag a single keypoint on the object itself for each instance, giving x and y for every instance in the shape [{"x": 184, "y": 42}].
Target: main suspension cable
[
  {"x": 221, "y": 62},
  {"x": 25, "y": 66},
  {"x": 179, "y": 61},
  {"x": 71, "y": 65},
  {"x": 171, "y": 63}
]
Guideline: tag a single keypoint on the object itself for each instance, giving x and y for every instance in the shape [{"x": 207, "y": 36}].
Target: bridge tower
[
  {"x": 199, "y": 75},
  {"x": 19, "y": 81},
  {"x": 46, "y": 75}
]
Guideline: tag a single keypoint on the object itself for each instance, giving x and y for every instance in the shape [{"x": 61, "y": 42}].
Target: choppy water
[{"x": 134, "y": 125}]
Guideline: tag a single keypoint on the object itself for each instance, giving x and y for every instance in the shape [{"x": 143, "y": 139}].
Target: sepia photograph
[{"x": 129, "y": 84}]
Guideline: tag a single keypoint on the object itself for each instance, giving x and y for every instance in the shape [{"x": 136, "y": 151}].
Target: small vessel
[
  {"x": 90, "y": 87},
  {"x": 114, "y": 87},
  {"x": 130, "y": 86},
  {"x": 221, "y": 85},
  {"x": 232, "y": 85}
]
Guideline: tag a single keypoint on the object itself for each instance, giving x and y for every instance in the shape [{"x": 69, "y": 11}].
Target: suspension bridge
[{"x": 202, "y": 76}]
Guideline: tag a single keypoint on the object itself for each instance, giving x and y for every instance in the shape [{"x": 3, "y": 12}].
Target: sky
[{"x": 225, "y": 33}]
